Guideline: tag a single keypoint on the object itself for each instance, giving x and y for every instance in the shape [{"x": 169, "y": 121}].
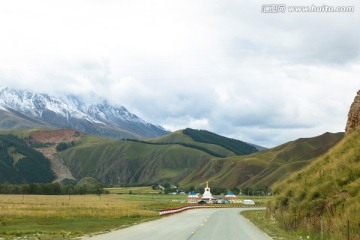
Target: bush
[
  {"x": 315, "y": 195},
  {"x": 63, "y": 146}
]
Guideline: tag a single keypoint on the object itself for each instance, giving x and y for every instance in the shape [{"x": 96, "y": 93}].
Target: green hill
[
  {"x": 19, "y": 163},
  {"x": 325, "y": 194},
  {"x": 169, "y": 158},
  {"x": 88, "y": 182},
  {"x": 114, "y": 162},
  {"x": 126, "y": 162},
  {"x": 236, "y": 146},
  {"x": 175, "y": 158},
  {"x": 209, "y": 142},
  {"x": 261, "y": 169}
]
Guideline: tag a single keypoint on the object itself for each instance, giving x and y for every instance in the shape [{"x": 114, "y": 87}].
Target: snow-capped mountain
[{"x": 21, "y": 109}]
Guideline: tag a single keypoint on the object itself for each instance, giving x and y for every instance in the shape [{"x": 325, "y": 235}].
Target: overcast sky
[{"x": 223, "y": 66}]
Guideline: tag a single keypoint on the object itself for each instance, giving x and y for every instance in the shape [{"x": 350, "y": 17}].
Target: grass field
[
  {"x": 134, "y": 190},
  {"x": 68, "y": 217},
  {"x": 64, "y": 217}
]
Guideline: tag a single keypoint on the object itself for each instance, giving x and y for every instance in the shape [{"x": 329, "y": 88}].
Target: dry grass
[
  {"x": 38, "y": 206},
  {"x": 324, "y": 196},
  {"x": 66, "y": 217}
]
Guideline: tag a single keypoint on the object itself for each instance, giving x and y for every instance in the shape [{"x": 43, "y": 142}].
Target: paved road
[{"x": 199, "y": 224}]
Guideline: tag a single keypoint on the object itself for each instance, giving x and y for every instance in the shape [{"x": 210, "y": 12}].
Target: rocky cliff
[{"x": 354, "y": 115}]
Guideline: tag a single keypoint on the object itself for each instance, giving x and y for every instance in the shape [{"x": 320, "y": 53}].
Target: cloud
[{"x": 221, "y": 66}]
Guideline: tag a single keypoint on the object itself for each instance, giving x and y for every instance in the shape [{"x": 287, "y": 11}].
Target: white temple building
[{"x": 207, "y": 196}]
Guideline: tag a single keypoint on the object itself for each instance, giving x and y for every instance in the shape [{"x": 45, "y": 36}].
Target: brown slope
[{"x": 50, "y": 139}]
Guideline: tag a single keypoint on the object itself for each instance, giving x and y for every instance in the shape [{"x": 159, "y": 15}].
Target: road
[{"x": 199, "y": 224}]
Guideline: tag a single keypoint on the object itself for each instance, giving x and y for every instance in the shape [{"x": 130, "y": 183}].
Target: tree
[
  {"x": 200, "y": 190},
  {"x": 189, "y": 189},
  {"x": 62, "y": 146},
  {"x": 248, "y": 191},
  {"x": 235, "y": 190},
  {"x": 218, "y": 190}
]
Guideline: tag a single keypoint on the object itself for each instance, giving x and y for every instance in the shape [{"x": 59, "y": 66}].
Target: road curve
[{"x": 199, "y": 224}]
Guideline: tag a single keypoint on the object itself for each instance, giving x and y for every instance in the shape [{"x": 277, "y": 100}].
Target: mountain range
[
  {"x": 143, "y": 153},
  {"x": 186, "y": 157},
  {"x": 25, "y": 110}
]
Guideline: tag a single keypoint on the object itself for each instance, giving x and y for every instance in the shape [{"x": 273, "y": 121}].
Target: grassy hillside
[
  {"x": 114, "y": 162},
  {"x": 175, "y": 158},
  {"x": 292, "y": 156},
  {"x": 124, "y": 162},
  {"x": 226, "y": 172},
  {"x": 324, "y": 195},
  {"x": 179, "y": 137},
  {"x": 260, "y": 170},
  {"x": 236, "y": 146},
  {"x": 169, "y": 158},
  {"x": 19, "y": 163}
]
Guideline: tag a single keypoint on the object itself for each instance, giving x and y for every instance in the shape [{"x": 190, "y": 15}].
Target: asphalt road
[{"x": 199, "y": 224}]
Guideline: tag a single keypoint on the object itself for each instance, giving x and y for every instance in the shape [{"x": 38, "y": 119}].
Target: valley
[
  {"x": 313, "y": 182},
  {"x": 74, "y": 216}
]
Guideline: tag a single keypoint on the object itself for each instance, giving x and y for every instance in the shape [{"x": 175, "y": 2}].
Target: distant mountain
[
  {"x": 187, "y": 157},
  {"x": 209, "y": 140},
  {"x": 24, "y": 110},
  {"x": 170, "y": 158},
  {"x": 260, "y": 148},
  {"x": 263, "y": 168}
]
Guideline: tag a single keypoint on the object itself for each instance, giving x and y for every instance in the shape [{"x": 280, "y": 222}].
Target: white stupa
[{"x": 207, "y": 194}]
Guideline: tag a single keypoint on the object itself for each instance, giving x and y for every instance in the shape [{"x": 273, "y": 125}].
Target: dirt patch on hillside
[
  {"x": 51, "y": 139},
  {"x": 55, "y": 136}
]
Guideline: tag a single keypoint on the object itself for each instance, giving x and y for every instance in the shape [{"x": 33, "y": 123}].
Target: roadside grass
[
  {"x": 64, "y": 228},
  {"x": 270, "y": 227}
]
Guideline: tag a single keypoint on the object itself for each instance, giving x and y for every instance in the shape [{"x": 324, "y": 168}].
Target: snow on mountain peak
[{"x": 67, "y": 111}]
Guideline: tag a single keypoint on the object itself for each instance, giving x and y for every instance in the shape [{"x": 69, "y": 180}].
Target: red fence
[{"x": 169, "y": 211}]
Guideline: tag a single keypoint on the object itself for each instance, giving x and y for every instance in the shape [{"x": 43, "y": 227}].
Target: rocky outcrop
[{"x": 354, "y": 115}]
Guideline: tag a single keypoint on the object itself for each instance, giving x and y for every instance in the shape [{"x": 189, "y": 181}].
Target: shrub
[{"x": 315, "y": 195}]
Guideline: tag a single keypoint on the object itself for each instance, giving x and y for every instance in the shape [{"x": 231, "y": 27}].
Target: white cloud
[{"x": 218, "y": 65}]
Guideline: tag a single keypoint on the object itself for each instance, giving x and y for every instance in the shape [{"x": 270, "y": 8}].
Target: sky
[{"x": 227, "y": 66}]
